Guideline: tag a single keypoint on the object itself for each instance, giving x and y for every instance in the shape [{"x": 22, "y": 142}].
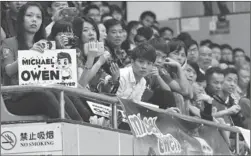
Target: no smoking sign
[{"x": 8, "y": 140}]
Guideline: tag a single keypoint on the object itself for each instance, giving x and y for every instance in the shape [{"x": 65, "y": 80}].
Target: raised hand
[
  {"x": 204, "y": 97},
  {"x": 115, "y": 71},
  {"x": 62, "y": 41},
  {"x": 154, "y": 71},
  {"x": 38, "y": 46},
  {"x": 103, "y": 58},
  {"x": 93, "y": 49},
  {"x": 172, "y": 63}
]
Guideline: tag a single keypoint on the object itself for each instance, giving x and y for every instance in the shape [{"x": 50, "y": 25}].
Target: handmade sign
[{"x": 50, "y": 67}]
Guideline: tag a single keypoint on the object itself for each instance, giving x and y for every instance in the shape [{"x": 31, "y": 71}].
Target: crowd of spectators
[{"x": 141, "y": 61}]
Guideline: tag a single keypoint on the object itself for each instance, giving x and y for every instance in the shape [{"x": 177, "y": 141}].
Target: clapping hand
[{"x": 115, "y": 71}]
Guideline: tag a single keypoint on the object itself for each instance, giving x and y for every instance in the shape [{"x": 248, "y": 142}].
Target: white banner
[
  {"x": 246, "y": 135},
  {"x": 51, "y": 67},
  {"x": 33, "y": 139}
]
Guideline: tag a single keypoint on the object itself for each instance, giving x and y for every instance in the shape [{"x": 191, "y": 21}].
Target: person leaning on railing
[{"x": 30, "y": 31}]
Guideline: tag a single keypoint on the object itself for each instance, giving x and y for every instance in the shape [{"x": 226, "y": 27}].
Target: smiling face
[
  {"x": 115, "y": 35},
  {"x": 63, "y": 63},
  {"x": 32, "y": 19}
]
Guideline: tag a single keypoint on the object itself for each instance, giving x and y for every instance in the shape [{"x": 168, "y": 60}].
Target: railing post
[
  {"x": 237, "y": 144},
  {"x": 114, "y": 116},
  {"x": 62, "y": 105}
]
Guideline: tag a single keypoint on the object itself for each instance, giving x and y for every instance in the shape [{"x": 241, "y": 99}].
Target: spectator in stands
[
  {"x": 177, "y": 58},
  {"x": 216, "y": 51},
  {"x": 166, "y": 33},
  {"x": 226, "y": 54},
  {"x": 102, "y": 32},
  {"x": 132, "y": 81},
  {"x": 114, "y": 40},
  {"x": 147, "y": 18},
  {"x": 106, "y": 17},
  {"x": 105, "y": 8},
  {"x": 92, "y": 11},
  {"x": 53, "y": 10},
  {"x": 205, "y": 58},
  {"x": 206, "y": 42},
  {"x": 158, "y": 91},
  {"x": 244, "y": 79},
  {"x": 192, "y": 51},
  {"x": 131, "y": 29},
  {"x": 9, "y": 20},
  {"x": 116, "y": 12},
  {"x": 238, "y": 55},
  {"x": 30, "y": 31},
  {"x": 143, "y": 34}
]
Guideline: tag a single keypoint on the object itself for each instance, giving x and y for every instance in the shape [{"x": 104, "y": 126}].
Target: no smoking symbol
[{"x": 8, "y": 140}]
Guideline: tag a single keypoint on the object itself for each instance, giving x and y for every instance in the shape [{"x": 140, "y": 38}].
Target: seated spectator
[
  {"x": 244, "y": 79},
  {"x": 28, "y": 37},
  {"x": 105, "y": 8},
  {"x": 116, "y": 12},
  {"x": 92, "y": 11},
  {"x": 192, "y": 51},
  {"x": 158, "y": 92},
  {"x": 144, "y": 34},
  {"x": 166, "y": 33},
  {"x": 106, "y": 17},
  {"x": 131, "y": 29},
  {"x": 102, "y": 32},
  {"x": 238, "y": 55},
  {"x": 53, "y": 10},
  {"x": 147, "y": 18},
  {"x": 206, "y": 42},
  {"x": 9, "y": 20},
  {"x": 205, "y": 58},
  {"x": 216, "y": 51},
  {"x": 132, "y": 81},
  {"x": 226, "y": 54}
]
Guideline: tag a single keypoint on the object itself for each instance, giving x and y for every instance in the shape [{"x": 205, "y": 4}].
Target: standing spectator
[
  {"x": 116, "y": 12},
  {"x": 205, "y": 58},
  {"x": 53, "y": 10},
  {"x": 166, "y": 33},
  {"x": 192, "y": 51},
  {"x": 9, "y": 20},
  {"x": 147, "y": 18},
  {"x": 92, "y": 11}
]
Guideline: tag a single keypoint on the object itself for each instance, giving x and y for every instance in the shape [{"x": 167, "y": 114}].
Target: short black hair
[
  {"x": 211, "y": 71},
  {"x": 131, "y": 25},
  {"x": 60, "y": 26},
  {"x": 184, "y": 36},
  {"x": 162, "y": 30},
  {"x": 144, "y": 51},
  {"x": 226, "y": 46},
  {"x": 189, "y": 43},
  {"x": 88, "y": 8},
  {"x": 205, "y": 42},
  {"x": 176, "y": 44},
  {"x": 112, "y": 22},
  {"x": 159, "y": 44},
  {"x": 146, "y": 32},
  {"x": 238, "y": 49},
  {"x": 230, "y": 70},
  {"x": 214, "y": 45},
  {"x": 247, "y": 58},
  {"x": 116, "y": 8},
  {"x": 148, "y": 13}
]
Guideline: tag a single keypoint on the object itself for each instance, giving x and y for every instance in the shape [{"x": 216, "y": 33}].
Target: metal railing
[{"x": 113, "y": 101}]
